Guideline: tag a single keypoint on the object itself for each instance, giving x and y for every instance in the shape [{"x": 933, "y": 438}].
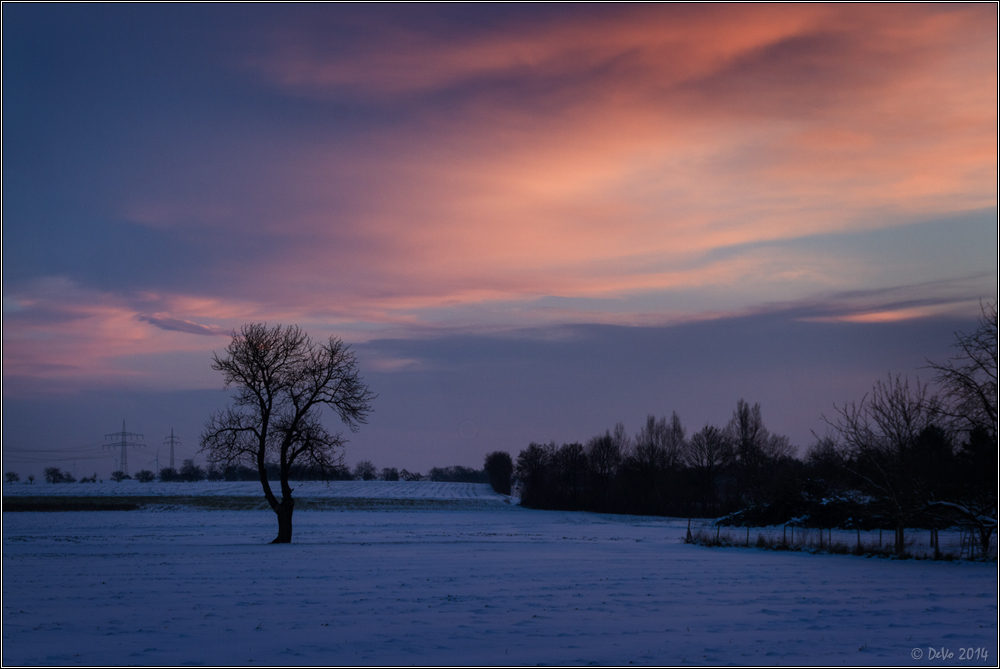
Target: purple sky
[{"x": 530, "y": 222}]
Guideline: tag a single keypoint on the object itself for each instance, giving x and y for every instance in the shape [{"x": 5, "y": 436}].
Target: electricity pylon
[
  {"x": 171, "y": 440},
  {"x": 122, "y": 439}
]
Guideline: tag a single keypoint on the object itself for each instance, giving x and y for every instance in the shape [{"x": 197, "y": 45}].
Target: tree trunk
[
  {"x": 900, "y": 541},
  {"x": 284, "y": 512},
  {"x": 985, "y": 532}
]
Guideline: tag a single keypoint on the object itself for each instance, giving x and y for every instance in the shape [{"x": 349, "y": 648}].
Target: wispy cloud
[
  {"x": 368, "y": 170},
  {"x": 165, "y": 322}
]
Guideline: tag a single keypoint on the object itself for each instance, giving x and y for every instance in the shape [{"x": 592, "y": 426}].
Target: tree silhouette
[
  {"x": 365, "y": 471},
  {"x": 709, "y": 451},
  {"x": 283, "y": 381},
  {"x": 755, "y": 450},
  {"x": 969, "y": 379},
  {"x": 500, "y": 467},
  {"x": 878, "y": 436}
]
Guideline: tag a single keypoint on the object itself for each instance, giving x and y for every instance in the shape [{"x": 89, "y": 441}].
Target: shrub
[
  {"x": 365, "y": 471},
  {"x": 459, "y": 474},
  {"x": 56, "y": 475},
  {"x": 191, "y": 472},
  {"x": 500, "y": 467}
]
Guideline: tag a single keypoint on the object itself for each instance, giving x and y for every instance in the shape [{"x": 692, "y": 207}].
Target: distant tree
[
  {"x": 458, "y": 474},
  {"x": 191, "y": 472},
  {"x": 570, "y": 473},
  {"x": 755, "y": 450},
  {"x": 56, "y": 475},
  {"x": 389, "y": 474},
  {"x": 410, "y": 476},
  {"x": 500, "y": 468},
  {"x": 242, "y": 473},
  {"x": 31, "y": 478},
  {"x": 365, "y": 471},
  {"x": 605, "y": 453},
  {"x": 118, "y": 476},
  {"x": 145, "y": 476},
  {"x": 11, "y": 477},
  {"x": 214, "y": 473},
  {"x": 283, "y": 382},
  {"x": 168, "y": 474},
  {"x": 659, "y": 445},
  {"x": 532, "y": 473},
  {"x": 709, "y": 452},
  {"x": 657, "y": 455}
]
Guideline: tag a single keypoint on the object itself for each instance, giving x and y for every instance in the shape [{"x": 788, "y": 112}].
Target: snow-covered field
[
  {"x": 303, "y": 489},
  {"x": 491, "y": 584}
]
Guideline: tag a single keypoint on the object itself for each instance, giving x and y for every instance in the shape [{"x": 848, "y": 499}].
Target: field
[{"x": 430, "y": 573}]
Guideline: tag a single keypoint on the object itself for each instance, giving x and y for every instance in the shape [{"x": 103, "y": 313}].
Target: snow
[
  {"x": 302, "y": 489},
  {"x": 490, "y": 584}
]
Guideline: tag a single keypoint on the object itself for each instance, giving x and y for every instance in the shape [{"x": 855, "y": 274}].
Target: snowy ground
[
  {"x": 494, "y": 584},
  {"x": 303, "y": 489}
]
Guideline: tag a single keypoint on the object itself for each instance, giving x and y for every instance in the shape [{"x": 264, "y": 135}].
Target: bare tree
[
  {"x": 877, "y": 436},
  {"x": 659, "y": 446},
  {"x": 755, "y": 449},
  {"x": 969, "y": 404},
  {"x": 531, "y": 469},
  {"x": 283, "y": 381},
  {"x": 605, "y": 452},
  {"x": 709, "y": 451},
  {"x": 569, "y": 464},
  {"x": 365, "y": 470},
  {"x": 969, "y": 380}
]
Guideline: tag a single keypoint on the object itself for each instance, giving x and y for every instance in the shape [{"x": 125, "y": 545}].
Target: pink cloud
[
  {"x": 596, "y": 156},
  {"x": 56, "y": 330}
]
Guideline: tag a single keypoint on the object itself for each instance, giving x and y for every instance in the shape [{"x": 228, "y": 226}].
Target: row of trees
[
  {"x": 364, "y": 471},
  {"x": 659, "y": 470},
  {"x": 900, "y": 457}
]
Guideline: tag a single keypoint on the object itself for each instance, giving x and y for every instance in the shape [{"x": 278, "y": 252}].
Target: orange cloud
[
  {"x": 660, "y": 135},
  {"x": 592, "y": 155}
]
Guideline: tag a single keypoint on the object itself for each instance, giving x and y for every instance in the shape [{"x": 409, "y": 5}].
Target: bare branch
[{"x": 282, "y": 380}]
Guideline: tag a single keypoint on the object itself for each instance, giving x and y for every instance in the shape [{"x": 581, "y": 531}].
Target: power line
[
  {"x": 124, "y": 444},
  {"x": 171, "y": 440}
]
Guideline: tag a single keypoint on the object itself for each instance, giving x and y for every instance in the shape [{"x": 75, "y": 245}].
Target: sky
[{"x": 529, "y": 222}]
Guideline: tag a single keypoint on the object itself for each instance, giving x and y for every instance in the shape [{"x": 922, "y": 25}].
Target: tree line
[
  {"x": 191, "y": 472},
  {"x": 901, "y": 456}
]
